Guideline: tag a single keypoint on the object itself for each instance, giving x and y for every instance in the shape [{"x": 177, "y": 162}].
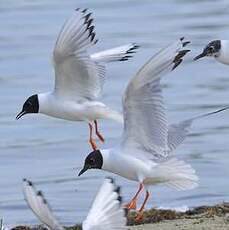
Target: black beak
[
  {"x": 85, "y": 168},
  {"x": 22, "y": 113},
  {"x": 200, "y": 56}
]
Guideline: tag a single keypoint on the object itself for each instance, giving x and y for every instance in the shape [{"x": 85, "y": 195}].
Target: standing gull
[
  {"x": 144, "y": 152},
  {"x": 105, "y": 213},
  {"x": 219, "y": 49},
  {"x": 79, "y": 77}
]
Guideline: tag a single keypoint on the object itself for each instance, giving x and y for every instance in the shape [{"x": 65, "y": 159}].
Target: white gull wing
[
  {"x": 76, "y": 74},
  {"x": 39, "y": 206},
  {"x": 145, "y": 121},
  {"x": 178, "y": 132},
  {"x": 106, "y": 211},
  {"x": 120, "y": 53}
]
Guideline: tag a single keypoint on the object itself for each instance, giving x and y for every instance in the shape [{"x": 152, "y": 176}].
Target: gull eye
[
  {"x": 92, "y": 161},
  {"x": 211, "y": 49}
]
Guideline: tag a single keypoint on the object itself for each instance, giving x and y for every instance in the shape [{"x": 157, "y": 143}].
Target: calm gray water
[{"x": 50, "y": 152}]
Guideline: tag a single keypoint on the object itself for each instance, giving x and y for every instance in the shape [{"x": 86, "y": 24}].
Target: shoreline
[{"x": 202, "y": 217}]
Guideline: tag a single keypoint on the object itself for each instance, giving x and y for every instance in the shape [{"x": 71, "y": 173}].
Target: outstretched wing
[
  {"x": 76, "y": 74},
  {"x": 145, "y": 121},
  {"x": 106, "y": 211},
  {"x": 39, "y": 206},
  {"x": 178, "y": 132}
]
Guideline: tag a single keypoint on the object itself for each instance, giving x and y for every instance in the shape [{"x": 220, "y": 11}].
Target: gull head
[
  {"x": 94, "y": 160},
  {"x": 31, "y": 105},
  {"x": 211, "y": 50}
]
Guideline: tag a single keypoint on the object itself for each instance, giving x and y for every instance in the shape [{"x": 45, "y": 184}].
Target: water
[{"x": 50, "y": 152}]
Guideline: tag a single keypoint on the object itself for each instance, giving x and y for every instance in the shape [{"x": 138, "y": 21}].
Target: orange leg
[
  {"x": 133, "y": 203},
  {"x": 140, "y": 211},
  {"x": 101, "y": 138},
  {"x": 91, "y": 140}
]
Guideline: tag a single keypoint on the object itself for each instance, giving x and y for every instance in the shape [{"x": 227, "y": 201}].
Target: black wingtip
[
  {"x": 220, "y": 110},
  {"x": 39, "y": 193},
  {"x": 30, "y": 183},
  {"x": 84, "y": 10},
  {"x": 119, "y": 199},
  {"x": 110, "y": 179},
  {"x": 181, "y": 54},
  {"x": 87, "y": 17},
  {"x": 117, "y": 189},
  {"x": 178, "y": 59},
  {"x": 176, "y": 64},
  {"x": 136, "y": 46},
  {"x": 185, "y": 43},
  {"x": 89, "y": 22},
  {"x": 132, "y": 49}
]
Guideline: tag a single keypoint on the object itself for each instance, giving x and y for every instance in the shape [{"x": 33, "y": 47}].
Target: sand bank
[{"x": 205, "y": 217}]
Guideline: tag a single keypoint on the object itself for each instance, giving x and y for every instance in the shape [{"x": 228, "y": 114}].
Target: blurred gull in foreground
[
  {"x": 2, "y": 227},
  {"x": 144, "y": 152},
  {"x": 219, "y": 49},
  {"x": 105, "y": 213},
  {"x": 79, "y": 77}
]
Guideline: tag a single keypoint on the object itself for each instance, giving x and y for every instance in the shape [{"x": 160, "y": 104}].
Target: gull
[
  {"x": 105, "y": 213},
  {"x": 219, "y": 49},
  {"x": 79, "y": 77},
  {"x": 144, "y": 151}
]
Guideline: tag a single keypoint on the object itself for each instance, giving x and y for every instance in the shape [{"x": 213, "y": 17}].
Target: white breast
[
  {"x": 125, "y": 165},
  {"x": 61, "y": 108},
  {"x": 224, "y": 52}
]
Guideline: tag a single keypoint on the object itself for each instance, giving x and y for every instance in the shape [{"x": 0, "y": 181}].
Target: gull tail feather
[
  {"x": 121, "y": 53},
  {"x": 180, "y": 175}
]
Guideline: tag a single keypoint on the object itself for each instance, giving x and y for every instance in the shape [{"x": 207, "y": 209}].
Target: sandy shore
[
  {"x": 196, "y": 223},
  {"x": 204, "y": 217},
  {"x": 201, "y": 218}
]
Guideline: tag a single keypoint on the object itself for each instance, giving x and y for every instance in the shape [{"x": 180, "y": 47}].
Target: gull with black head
[
  {"x": 144, "y": 152},
  {"x": 79, "y": 77},
  {"x": 218, "y": 49}
]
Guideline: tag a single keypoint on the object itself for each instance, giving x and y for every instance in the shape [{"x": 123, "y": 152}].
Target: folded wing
[
  {"x": 76, "y": 74},
  {"x": 39, "y": 206},
  {"x": 145, "y": 121},
  {"x": 106, "y": 211}
]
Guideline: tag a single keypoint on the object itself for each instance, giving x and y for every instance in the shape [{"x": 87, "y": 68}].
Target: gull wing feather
[
  {"x": 120, "y": 53},
  {"x": 178, "y": 132},
  {"x": 106, "y": 211},
  {"x": 76, "y": 74},
  {"x": 145, "y": 121},
  {"x": 39, "y": 206}
]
